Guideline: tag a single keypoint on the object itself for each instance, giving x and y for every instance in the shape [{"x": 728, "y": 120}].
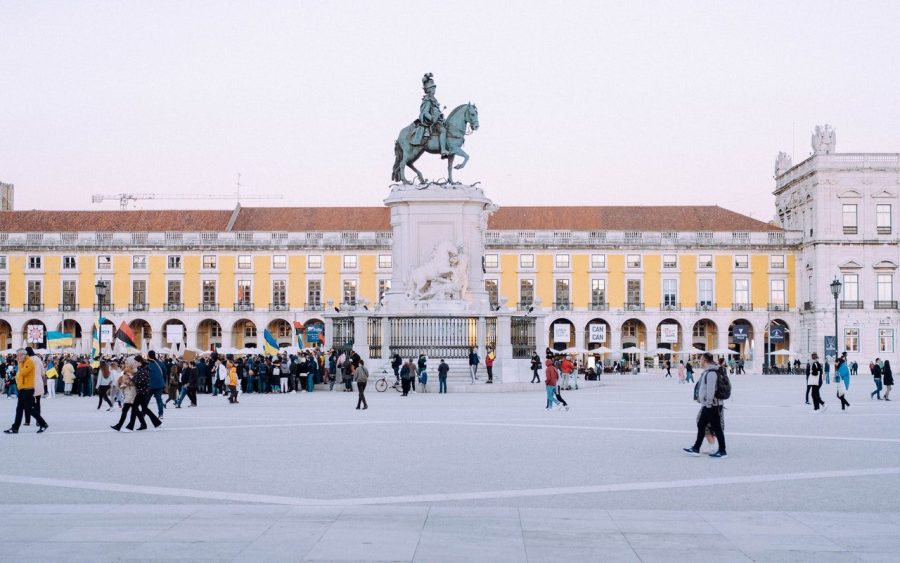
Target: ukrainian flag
[
  {"x": 58, "y": 339},
  {"x": 51, "y": 372},
  {"x": 270, "y": 345},
  {"x": 95, "y": 338}
]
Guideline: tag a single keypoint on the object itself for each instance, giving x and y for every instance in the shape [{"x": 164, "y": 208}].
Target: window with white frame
[
  {"x": 244, "y": 262},
  {"x": 670, "y": 292},
  {"x": 349, "y": 292},
  {"x": 562, "y": 292},
  {"x": 314, "y": 293},
  {"x": 562, "y": 260},
  {"x": 350, "y": 262},
  {"x": 245, "y": 292},
  {"x": 3, "y": 294},
  {"x": 705, "y": 290},
  {"x": 2, "y": 262},
  {"x": 670, "y": 261},
  {"x": 742, "y": 292},
  {"x": 279, "y": 262},
  {"x": 526, "y": 261},
  {"x": 633, "y": 260},
  {"x": 34, "y": 292},
  {"x": 741, "y": 261},
  {"x": 138, "y": 292},
  {"x": 493, "y": 291},
  {"x": 279, "y": 292},
  {"x": 598, "y": 292},
  {"x": 850, "y": 287},
  {"x": 776, "y": 293},
  {"x": 69, "y": 293},
  {"x": 598, "y": 261},
  {"x": 526, "y": 292},
  {"x": 491, "y": 260},
  {"x": 383, "y": 287},
  {"x": 314, "y": 261},
  {"x": 173, "y": 292},
  {"x": 885, "y": 287},
  {"x": 850, "y": 219},
  {"x": 209, "y": 261},
  {"x": 249, "y": 330},
  {"x": 776, "y": 261},
  {"x": 104, "y": 262},
  {"x": 139, "y": 262},
  {"x": 34, "y": 262},
  {"x": 69, "y": 263},
  {"x": 705, "y": 261},
  {"x": 633, "y": 292},
  {"x": 883, "y": 218},
  {"x": 174, "y": 262},
  {"x": 886, "y": 340},
  {"x": 851, "y": 339},
  {"x": 385, "y": 261},
  {"x": 209, "y": 292}
]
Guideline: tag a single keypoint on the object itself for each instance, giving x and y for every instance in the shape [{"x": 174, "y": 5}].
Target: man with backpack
[
  {"x": 473, "y": 365},
  {"x": 712, "y": 389}
]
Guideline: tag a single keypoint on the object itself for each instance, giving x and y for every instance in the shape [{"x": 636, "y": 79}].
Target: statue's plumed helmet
[{"x": 427, "y": 82}]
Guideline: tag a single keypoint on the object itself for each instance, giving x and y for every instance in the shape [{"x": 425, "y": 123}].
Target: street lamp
[
  {"x": 99, "y": 289},
  {"x": 835, "y": 291}
]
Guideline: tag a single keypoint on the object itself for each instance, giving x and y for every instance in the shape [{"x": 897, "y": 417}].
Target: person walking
[
  {"x": 104, "y": 383},
  {"x": 566, "y": 367},
  {"x": 443, "y": 369},
  {"x": 404, "y": 378},
  {"x": 710, "y": 409},
  {"x": 814, "y": 381},
  {"x": 129, "y": 393},
  {"x": 423, "y": 373},
  {"x": 681, "y": 371},
  {"x": 842, "y": 381},
  {"x": 689, "y": 372},
  {"x": 232, "y": 382},
  {"x": 396, "y": 364},
  {"x": 827, "y": 367},
  {"x": 473, "y": 365},
  {"x": 668, "y": 368},
  {"x": 172, "y": 384},
  {"x": 875, "y": 370},
  {"x": 535, "y": 367},
  {"x": 551, "y": 378},
  {"x": 887, "y": 377},
  {"x": 40, "y": 382},
  {"x": 158, "y": 378},
  {"x": 361, "y": 376},
  {"x": 141, "y": 410},
  {"x": 25, "y": 382},
  {"x": 413, "y": 374}
]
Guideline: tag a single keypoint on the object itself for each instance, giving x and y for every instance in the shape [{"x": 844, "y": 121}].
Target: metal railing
[
  {"x": 313, "y": 307},
  {"x": 137, "y": 307},
  {"x": 885, "y": 304},
  {"x": 33, "y": 307},
  {"x": 851, "y": 304},
  {"x": 279, "y": 307},
  {"x": 173, "y": 307},
  {"x": 244, "y": 306},
  {"x": 633, "y": 307},
  {"x": 524, "y": 305},
  {"x": 777, "y": 307},
  {"x": 209, "y": 307},
  {"x": 101, "y": 307},
  {"x": 700, "y": 307},
  {"x": 670, "y": 306},
  {"x": 742, "y": 306},
  {"x": 4, "y": 307},
  {"x": 562, "y": 306},
  {"x": 599, "y": 306},
  {"x": 68, "y": 307}
]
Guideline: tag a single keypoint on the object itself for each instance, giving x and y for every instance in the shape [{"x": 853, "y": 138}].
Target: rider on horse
[{"x": 431, "y": 119}]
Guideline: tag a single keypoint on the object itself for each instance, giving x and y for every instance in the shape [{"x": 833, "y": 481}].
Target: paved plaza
[{"x": 462, "y": 477}]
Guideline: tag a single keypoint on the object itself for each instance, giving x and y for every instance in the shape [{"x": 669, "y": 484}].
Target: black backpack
[{"x": 723, "y": 385}]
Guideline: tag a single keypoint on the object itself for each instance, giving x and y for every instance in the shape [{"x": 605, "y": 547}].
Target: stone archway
[
  {"x": 602, "y": 332},
  {"x": 5, "y": 335},
  {"x": 71, "y": 326},
  {"x": 704, "y": 335},
  {"x": 34, "y": 342},
  {"x": 169, "y": 337},
  {"x": 664, "y": 337},
  {"x": 244, "y": 334},
  {"x": 741, "y": 338},
  {"x": 143, "y": 332},
  {"x": 282, "y": 331},
  {"x": 557, "y": 336},
  {"x": 209, "y": 334},
  {"x": 314, "y": 333}
]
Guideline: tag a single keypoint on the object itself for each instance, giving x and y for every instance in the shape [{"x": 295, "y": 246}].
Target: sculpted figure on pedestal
[
  {"x": 823, "y": 140},
  {"x": 782, "y": 163},
  {"x": 434, "y": 134},
  {"x": 442, "y": 277}
]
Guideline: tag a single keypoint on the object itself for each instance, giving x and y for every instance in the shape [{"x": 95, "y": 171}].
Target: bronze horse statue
[{"x": 456, "y": 123}]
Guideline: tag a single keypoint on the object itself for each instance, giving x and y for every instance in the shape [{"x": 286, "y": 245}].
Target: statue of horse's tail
[{"x": 398, "y": 165}]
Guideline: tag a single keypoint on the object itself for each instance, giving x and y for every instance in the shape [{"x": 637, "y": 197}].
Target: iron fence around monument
[
  {"x": 438, "y": 337},
  {"x": 522, "y": 336},
  {"x": 344, "y": 334},
  {"x": 490, "y": 333},
  {"x": 374, "y": 325}
]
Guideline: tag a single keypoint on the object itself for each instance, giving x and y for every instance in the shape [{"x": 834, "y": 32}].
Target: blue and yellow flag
[
  {"x": 58, "y": 339},
  {"x": 95, "y": 338},
  {"x": 51, "y": 372},
  {"x": 270, "y": 345}
]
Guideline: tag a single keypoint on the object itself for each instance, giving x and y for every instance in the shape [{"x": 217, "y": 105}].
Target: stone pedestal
[{"x": 426, "y": 221}]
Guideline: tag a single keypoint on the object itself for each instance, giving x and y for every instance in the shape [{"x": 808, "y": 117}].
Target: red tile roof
[{"x": 301, "y": 219}]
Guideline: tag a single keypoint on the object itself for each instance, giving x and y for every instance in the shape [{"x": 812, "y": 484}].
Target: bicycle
[{"x": 381, "y": 384}]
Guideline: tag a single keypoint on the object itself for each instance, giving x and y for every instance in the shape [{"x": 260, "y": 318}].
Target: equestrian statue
[{"x": 434, "y": 134}]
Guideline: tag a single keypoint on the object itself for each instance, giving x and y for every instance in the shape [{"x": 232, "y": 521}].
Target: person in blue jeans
[
  {"x": 443, "y": 368},
  {"x": 157, "y": 380}
]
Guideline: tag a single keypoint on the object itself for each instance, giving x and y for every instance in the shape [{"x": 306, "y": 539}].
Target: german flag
[{"x": 126, "y": 335}]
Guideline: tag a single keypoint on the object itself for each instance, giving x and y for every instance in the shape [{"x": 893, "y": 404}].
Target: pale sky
[{"x": 600, "y": 103}]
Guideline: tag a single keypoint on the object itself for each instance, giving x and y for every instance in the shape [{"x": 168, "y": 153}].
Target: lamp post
[
  {"x": 835, "y": 291},
  {"x": 98, "y": 288}
]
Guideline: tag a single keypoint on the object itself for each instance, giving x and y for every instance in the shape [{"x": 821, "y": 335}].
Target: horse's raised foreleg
[{"x": 465, "y": 156}]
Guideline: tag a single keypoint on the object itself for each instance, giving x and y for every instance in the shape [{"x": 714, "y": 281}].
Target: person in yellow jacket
[
  {"x": 232, "y": 381},
  {"x": 25, "y": 380}
]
